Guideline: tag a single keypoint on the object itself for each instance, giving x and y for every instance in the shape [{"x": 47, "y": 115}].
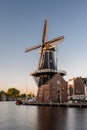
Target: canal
[{"x": 13, "y": 117}]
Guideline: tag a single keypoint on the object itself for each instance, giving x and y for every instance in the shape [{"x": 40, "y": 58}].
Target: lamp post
[{"x": 59, "y": 83}]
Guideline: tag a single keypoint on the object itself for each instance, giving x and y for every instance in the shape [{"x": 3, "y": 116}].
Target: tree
[
  {"x": 13, "y": 93},
  {"x": 30, "y": 95},
  {"x": 2, "y": 93},
  {"x": 23, "y": 95}
]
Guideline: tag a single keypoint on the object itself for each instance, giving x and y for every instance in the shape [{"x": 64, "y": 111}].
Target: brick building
[
  {"x": 76, "y": 89},
  {"x": 85, "y": 86},
  {"x": 54, "y": 91}
]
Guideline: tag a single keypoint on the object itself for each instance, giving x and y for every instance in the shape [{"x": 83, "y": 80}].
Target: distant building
[
  {"x": 76, "y": 89},
  {"x": 85, "y": 85}
]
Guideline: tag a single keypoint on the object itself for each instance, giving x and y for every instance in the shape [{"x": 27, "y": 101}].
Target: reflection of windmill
[{"x": 47, "y": 67}]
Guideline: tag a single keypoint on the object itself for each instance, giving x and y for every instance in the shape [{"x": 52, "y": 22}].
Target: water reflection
[
  {"x": 76, "y": 119},
  {"x": 14, "y": 117},
  {"x": 54, "y": 118}
]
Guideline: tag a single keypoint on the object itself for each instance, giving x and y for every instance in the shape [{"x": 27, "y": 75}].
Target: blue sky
[{"x": 21, "y": 26}]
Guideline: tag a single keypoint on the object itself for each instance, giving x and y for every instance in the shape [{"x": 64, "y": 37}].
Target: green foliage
[
  {"x": 30, "y": 95},
  {"x": 13, "y": 92},
  {"x": 23, "y": 95},
  {"x": 2, "y": 93}
]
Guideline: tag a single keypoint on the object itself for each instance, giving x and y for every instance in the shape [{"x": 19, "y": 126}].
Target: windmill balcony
[{"x": 44, "y": 71}]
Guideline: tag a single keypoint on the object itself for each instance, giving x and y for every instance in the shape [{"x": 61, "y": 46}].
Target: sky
[{"x": 21, "y": 26}]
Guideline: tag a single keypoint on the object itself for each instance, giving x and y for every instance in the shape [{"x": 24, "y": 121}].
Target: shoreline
[{"x": 78, "y": 105}]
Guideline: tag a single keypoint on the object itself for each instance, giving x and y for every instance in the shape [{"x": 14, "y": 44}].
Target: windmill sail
[
  {"x": 32, "y": 48},
  {"x": 44, "y": 37}
]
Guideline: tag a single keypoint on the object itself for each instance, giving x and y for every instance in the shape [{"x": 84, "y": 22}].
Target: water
[{"x": 13, "y": 117}]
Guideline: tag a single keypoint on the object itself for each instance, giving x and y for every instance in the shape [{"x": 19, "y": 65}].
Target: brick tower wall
[{"x": 58, "y": 89}]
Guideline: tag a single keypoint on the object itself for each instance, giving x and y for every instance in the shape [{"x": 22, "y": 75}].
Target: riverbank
[{"x": 78, "y": 105}]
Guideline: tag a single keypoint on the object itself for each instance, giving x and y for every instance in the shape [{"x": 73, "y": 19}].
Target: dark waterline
[{"x": 13, "y": 117}]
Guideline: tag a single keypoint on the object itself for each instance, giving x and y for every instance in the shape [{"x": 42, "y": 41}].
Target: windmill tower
[{"x": 47, "y": 66}]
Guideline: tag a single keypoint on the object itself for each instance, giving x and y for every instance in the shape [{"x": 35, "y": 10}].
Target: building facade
[
  {"x": 54, "y": 91},
  {"x": 76, "y": 89}
]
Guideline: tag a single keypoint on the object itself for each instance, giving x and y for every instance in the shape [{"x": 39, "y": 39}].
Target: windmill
[{"x": 47, "y": 67}]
